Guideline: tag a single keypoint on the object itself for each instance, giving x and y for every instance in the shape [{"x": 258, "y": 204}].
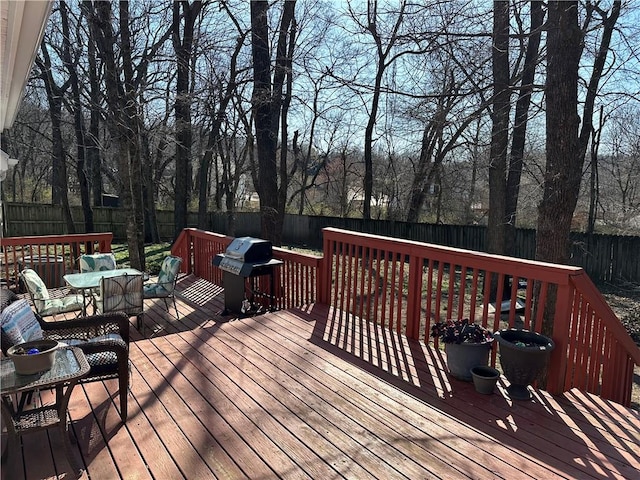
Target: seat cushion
[
  {"x": 19, "y": 324},
  {"x": 155, "y": 290},
  {"x": 100, "y": 362},
  {"x": 53, "y": 306}
]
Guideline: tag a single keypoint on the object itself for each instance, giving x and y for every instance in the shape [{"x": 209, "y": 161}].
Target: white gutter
[{"x": 22, "y": 25}]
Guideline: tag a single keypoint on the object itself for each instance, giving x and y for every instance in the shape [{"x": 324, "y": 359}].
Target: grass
[{"x": 154, "y": 254}]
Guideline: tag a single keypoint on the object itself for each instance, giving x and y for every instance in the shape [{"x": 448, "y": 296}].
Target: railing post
[
  {"x": 414, "y": 293},
  {"x": 561, "y": 322},
  {"x": 324, "y": 282}
]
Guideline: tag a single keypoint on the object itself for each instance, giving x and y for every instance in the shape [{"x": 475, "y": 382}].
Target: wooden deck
[{"x": 308, "y": 394}]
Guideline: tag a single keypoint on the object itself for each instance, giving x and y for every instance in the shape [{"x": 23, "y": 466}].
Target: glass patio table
[{"x": 88, "y": 281}]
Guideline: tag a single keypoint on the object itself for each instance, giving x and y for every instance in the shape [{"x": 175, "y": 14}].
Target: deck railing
[
  {"x": 296, "y": 280},
  {"x": 52, "y": 256},
  {"x": 407, "y": 286}
]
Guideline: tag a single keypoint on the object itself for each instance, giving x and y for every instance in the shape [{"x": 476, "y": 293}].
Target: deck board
[
  {"x": 543, "y": 427},
  {"x": 312, "y": 393}
]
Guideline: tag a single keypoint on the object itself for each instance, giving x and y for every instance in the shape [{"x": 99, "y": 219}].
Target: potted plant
[
  {"x": 466, "y": 345},
  {"x": 524, "y": 356}
]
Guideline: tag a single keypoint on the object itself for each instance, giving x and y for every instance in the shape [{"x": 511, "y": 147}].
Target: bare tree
[
  {"x": 55, "y": 96},
  {"x": 122, "y": 80},
  {"x": 222, "y": 90},
  {"x": 269, "y": 100},
  {"x": 500, "y": 129},
  {"x": 75, "y": 107},
  {"x": 566, "y": 148},
  {"x": 516, "y": 156},
  {"x": 183, "y": 46}
]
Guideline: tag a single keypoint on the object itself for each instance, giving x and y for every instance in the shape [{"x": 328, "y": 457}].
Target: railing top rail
[
  {"x": 67, "y": 238},
  {"x": 299, "y": 257},
  {"x": 196, "y": 232},
  {"x": 509, "y": 265}
]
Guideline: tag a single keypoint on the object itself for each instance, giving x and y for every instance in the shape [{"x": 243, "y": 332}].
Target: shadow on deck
[{"x": 313, "y": 393}]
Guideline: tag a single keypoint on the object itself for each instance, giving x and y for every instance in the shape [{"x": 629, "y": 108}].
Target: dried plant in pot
[{"x": 466, "y": 345}]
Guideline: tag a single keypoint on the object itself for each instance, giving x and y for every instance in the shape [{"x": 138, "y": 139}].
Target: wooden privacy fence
[
  {"x": 605, "y": 258},
  {"x": 405, "y": 286}
]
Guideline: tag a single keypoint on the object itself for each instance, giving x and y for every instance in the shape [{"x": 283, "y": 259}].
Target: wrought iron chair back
[{"x": 122, "y": 293}]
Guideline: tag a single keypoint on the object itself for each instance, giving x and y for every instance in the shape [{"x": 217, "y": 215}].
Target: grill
[{"x": 245, "y": 259}]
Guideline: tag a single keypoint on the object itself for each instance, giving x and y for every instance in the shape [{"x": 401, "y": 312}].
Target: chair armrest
[
  {"x": 85, "y": 328},
  {"x": 101, "y": 345}
]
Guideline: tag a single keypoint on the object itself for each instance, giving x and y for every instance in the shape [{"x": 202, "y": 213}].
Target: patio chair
[
  {"x": 121, "y": 294},
  {"x": 96, "y": 262},
  {"x": 42, "y": 301},
  {"x": 104, "y": 339},
  {"x": 165, "y": 286}
]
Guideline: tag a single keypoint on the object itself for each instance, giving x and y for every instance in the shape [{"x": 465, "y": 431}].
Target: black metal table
[{"x": 69, "y": 366}]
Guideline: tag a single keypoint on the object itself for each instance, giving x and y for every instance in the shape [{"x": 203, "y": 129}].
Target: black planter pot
[
  {"x": 485, "y": 379},
  {"x": 524, "y": 356},
  {"x": 462, "y": 357}
]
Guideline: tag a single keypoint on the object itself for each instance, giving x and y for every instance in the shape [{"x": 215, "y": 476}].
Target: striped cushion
[{"x": 19, "y": 324}]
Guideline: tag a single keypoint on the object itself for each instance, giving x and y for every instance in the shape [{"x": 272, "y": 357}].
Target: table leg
[
  {"x": 11, "y": 449},
  {"x": 63, "y": 404},
  {"x": 84, "y": 301}
]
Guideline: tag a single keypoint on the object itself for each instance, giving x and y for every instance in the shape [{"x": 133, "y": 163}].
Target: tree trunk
[
  {"x": 59, "y": 194},
  {"x": 184, "y": 51},
  {"x": 520, "y": 127},
  {"x": 563, "y": 166},
  {"x": 499, "y": 130},
  {"x": 267, "y": 105},
  {"x": 122, "y": 122},
  {"x": 382, "y": 54},
  {"x": 151, "y": 231},
  {"x": 78, "y": 123},
  {"x": 91, "y": 140}
]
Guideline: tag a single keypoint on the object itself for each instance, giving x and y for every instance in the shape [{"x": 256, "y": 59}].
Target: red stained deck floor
[{"x": 309, "y": 394}]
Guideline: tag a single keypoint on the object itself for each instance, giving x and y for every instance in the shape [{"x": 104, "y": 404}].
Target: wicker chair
[{"x": 103, "y": 338}]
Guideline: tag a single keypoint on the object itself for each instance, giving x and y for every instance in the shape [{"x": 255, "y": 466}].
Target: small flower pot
[
  {"x": 33, "y": 357},
  {"x": 485, "y": 379}
]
